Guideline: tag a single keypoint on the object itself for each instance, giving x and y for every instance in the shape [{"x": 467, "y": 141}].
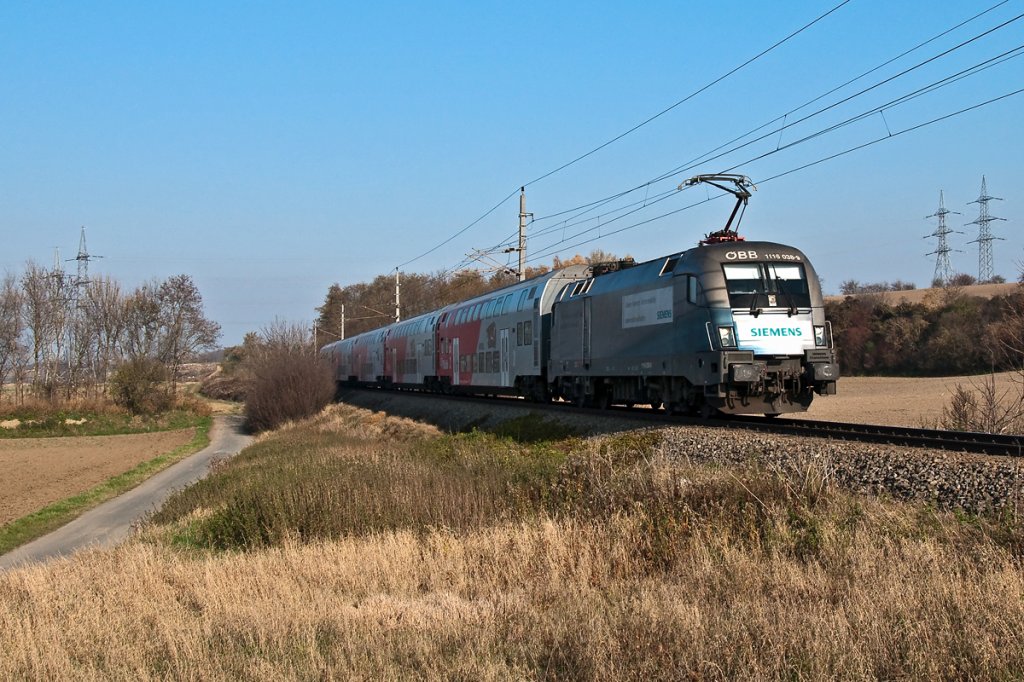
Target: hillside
[{"x": 935, "y": 296}]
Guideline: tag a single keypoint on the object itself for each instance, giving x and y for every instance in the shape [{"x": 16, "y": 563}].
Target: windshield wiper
[
  {"x": 754, "y": 310},
  {"x": 789, "y": 300}
]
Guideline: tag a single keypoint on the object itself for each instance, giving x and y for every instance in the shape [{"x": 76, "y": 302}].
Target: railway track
[{"x": 957, "y": 441}]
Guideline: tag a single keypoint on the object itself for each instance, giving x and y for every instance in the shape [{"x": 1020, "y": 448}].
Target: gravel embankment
[{"x": 974, "y": 483}]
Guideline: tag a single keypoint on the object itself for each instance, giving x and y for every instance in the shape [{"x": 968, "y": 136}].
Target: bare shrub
[
  {"x": 138, "y": 386},
  {"x": 288, "y": 378},
  {"x": 984, "y": 408},
  {"x": 963, "y": 280}
]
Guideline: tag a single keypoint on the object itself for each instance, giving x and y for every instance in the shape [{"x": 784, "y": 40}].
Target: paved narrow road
[{"x": 112, "y": 521}]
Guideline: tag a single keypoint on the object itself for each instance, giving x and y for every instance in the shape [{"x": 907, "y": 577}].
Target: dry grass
[
  {"x": 544, "y": 599},
  {"x": 616, "y": 563}
]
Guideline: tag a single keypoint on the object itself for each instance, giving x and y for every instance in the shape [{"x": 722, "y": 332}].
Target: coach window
[
  {"x": 519, "y": 333},
  {"x": 528, "y": 332},
  {"x": 533, "y": 292},
  {"x": 522, "y": 299}
]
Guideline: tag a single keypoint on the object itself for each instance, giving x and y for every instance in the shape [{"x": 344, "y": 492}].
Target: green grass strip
[
  {"x": 54, "y": 425},
  {"x": 53, "y": 516}
]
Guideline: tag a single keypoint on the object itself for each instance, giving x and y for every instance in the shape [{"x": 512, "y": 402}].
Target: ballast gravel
[{"x": 950, "y": 480}]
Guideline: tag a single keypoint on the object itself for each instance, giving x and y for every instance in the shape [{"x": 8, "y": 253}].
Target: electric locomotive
[{"x": 730, "y": 326}]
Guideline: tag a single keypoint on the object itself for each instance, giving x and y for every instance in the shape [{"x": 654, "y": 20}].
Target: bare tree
[
  {"x": 45, "y": 311},
  {"x": 184, "y": 327},
  {"x": 141, "y": 320},
  {"x": 102, "y": 310},
  {"x": 11, "y": 328}
]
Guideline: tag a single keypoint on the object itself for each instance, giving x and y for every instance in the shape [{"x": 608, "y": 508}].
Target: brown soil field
[
  {"x": 895, "y": 401},
  {"x": 40, "y": 471},
  {"x": 937, "y": 295}
]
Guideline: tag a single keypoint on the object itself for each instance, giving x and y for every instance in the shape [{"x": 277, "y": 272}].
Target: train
[{"x": 728, "y": 327}]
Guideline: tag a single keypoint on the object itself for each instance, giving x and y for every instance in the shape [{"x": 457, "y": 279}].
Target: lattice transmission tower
[
  {"x": 943, "y": 270},
  {"x": 985, "y": 238},
  {"x": 83, "y": 259}
]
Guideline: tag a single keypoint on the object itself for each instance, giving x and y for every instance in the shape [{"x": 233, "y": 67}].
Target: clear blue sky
[{"x": 270, "y": 149}]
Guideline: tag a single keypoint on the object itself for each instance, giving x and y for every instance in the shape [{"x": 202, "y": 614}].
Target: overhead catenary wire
[
  {"x": 704, "y": 158},
  {"x": 972, "y": 70},
  {"x": 977, "y": 68},
  {"x": 540, "y": 256},
  {"x": 636, "y": 127}
]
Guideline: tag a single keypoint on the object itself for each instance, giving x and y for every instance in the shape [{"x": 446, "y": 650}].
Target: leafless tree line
[{"x": 60, "y": 338}]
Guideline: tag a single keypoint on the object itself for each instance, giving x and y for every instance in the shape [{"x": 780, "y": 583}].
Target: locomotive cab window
[
  {"x": 767, "y": 285},
  {"x": 691, "y": 289}
]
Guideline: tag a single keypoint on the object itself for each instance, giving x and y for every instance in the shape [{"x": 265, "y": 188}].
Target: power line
[
  {"x": 633, "y": 129},
  {"x": 900, "y": 100},
  {"x": 690, "y": 96},
  {"x": 784, "y": 117},
  {"x": 545, "y": 254}
]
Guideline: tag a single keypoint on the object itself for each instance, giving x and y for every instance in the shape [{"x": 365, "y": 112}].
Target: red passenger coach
[{"x": 409, "y": 357}]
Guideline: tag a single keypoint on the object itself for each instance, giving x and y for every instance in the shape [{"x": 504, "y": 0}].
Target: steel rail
[{"x": 937, "y": 439}]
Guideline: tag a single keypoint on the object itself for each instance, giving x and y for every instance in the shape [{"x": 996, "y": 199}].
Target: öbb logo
[{"x": 741, "y": 255}]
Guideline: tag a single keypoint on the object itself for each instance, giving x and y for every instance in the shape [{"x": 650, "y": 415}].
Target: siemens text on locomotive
[{"x": 729, "y": 326}]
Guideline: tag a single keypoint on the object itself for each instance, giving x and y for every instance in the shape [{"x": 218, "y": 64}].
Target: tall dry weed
[
  {"x": 550, "y": 599},
  {"x": 393, "y": 553}
]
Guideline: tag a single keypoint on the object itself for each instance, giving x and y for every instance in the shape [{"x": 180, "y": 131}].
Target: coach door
[
  {"x": 394, "y": 365},
  {"x": 455, "y": 361},
  {"x": 504, "y": 357},
  {"x": 586, "y": 332}
]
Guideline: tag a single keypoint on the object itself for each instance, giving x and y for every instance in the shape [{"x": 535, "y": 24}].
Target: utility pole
[
  {"x": 522, "y": 233},
  {"x": 342, "y": 320},
  {"x": 521, "y": 249},
  {"x": 985, "y": 238},
  {"x": 398, "y": 313},
  {"x": 943, "y": 270}
]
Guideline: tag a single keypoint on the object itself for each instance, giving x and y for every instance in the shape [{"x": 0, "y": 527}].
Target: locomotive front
[{"x": 767, "y": 323}]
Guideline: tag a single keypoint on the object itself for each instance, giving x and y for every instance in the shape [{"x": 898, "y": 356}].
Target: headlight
[
  {"x": 727, "y": 336},
  {"x": 819, "y": 335}
]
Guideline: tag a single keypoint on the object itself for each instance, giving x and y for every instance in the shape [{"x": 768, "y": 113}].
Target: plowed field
[{"x": 35, "y": 472}]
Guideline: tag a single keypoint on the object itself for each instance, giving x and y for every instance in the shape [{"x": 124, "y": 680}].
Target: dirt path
[
  {"x": 112, "y": 521},
  {"x": 35, "y": 472}
]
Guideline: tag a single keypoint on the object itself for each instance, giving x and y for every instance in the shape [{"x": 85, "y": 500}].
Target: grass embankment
[
  {"x": 53, "y": 516},
  {"x": 97, "y": 419},
  {"x": 366, "y": 547}
]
